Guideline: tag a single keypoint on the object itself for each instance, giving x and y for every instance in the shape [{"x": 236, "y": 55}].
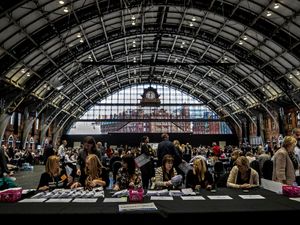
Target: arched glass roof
[{"x": 237, "y": 57}]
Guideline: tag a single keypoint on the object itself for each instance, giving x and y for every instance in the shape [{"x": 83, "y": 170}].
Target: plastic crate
[
  {"x": 136, "y": 195},
  {"x": 291, "y": 191},
  {"x": 11, "y": 195}
]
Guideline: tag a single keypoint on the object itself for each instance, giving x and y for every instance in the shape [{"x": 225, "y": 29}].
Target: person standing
[
  {"x": 296, "y": 134},
  {"x": 283, "y": 168},
  {"x": 147, "y": 169},
  {"x": 89, "y": 147},
  {"x": 62, "y": 150},
  {"x": 167, "y": 147}
]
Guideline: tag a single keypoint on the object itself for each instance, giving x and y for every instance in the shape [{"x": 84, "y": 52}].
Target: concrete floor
[{"x": 29, "y": 179}]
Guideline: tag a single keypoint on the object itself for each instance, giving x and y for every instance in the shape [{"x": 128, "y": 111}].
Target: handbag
[{"x": 6, "y": 182}]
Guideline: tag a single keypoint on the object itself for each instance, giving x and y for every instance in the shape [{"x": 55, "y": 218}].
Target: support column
[
  {"x": 44, "y": 129},
  {"x": 4, "y": 120}
]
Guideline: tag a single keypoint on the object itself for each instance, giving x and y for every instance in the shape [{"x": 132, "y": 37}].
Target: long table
[{"x": 273, "y": 209}]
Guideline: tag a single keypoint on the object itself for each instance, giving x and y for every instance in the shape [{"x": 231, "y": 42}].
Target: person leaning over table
[
  {"x": 283, "y": 169},
  {"x": 54, "y": 177},
  {"x": 95, "y": 174},
  {"x": 199, "y": 176},
  {"x": 128, "y": 175},
  {"x": 164, "y": 174},
  {"x": 242, "y": 175}
]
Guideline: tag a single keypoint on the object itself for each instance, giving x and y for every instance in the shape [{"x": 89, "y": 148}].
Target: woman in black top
[
  {"x": 199, "y": 176},
  {"x": 54, "y": 177},
  {"x": 95, "y": 174}
]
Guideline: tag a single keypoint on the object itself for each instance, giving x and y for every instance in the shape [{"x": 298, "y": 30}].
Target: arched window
[{"x": 177, "y": 112}]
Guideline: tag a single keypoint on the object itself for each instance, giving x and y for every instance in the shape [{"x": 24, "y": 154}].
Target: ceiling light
[
  {"x": 263, "y": 89},
  {"x": 66, "y": 9},
  {"x": 245, "y": 37},
  {"x": 79, "y": 35},
  {"x": 181, "y": 46},
  {"x": 133, "y": 23},
  {"x": 291, "y": 76},
  {"x": 81, "y": 40},
  {"x": 134, "y": 45},
  {"x": 89, "y": 56},
  {"x": 240, "y": 43},
  {"x": 170, "y": 72},
  {"x": 28, "y": 74},
  {"x": 45, "y": 85},
  {"x": 268, "y": 87},
  {"x": 191, "y": 24},
  {"x": 133, "y": 17},
  {"x": 269, "y": 13},
  {"x": 276, "y": 6},
  {"x": 134, "y": 59},
  {"x": 48, "y": 88},
  {"x": 193, "y": 19},
  {"x": 23, "y": 70},
  {"x": 297, "y": 73},
  {"x": 97, "y": 72},
  {"x": 61, "y": 2}
]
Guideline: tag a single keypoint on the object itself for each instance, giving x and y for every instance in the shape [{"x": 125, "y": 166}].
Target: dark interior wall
[{"x": 133, "y": 139}]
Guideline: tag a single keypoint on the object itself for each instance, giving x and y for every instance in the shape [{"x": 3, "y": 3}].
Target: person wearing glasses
[{"x": 242, "y": 176}]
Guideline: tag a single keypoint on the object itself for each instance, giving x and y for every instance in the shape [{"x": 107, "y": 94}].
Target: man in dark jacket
[
  {"x": 167, "y": 147},
  {"x": 3, "y": 163}
]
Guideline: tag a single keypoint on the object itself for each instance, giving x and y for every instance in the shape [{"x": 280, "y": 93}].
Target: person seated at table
[
  {"x": 164, "y": 174},
  {"x": 95, "y": 175},
  {"x": 54, "y": 177},
  {"x": 242, "y": 175},
  {"x": 128, "y": 175},
  {"x": 199, "y": 176}
]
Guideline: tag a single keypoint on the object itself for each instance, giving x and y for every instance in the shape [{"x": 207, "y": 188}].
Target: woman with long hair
[
  {"x": 54, "y": 177},
  {"x": 95, "y": 174},
  {"x": 199, "y": 176},
  {"x": 128, "y": 175}
]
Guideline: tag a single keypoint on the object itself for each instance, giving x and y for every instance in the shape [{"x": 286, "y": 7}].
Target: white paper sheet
[
  {"x": 85, "y": 200},
  {"x": 123, "y": 199},
  {"x": 59, "y": 200},
  {"x": 137, "y": 207},
  {"x": 188, "y": 191},
  {"x": 192, "y": 198},
  {"x": 33, "y": 200},
  {"x": 271, "y": 185},
  {"x": 252, "y": 197},
  {"x": 163, "y": 198},
  {"x": 219, "y": 197},
  {"x": 295, "y": 199}
]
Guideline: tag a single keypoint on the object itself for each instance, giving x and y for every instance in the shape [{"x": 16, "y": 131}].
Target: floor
[{"x": 29, "y": 179}]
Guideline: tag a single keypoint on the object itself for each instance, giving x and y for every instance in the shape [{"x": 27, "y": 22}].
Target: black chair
[
  {"x": 219, "y": 171},
  {"x": 115, "y": 167},
  {"x": 267, "y": 169},
  {"x": 255, "y": 165}
]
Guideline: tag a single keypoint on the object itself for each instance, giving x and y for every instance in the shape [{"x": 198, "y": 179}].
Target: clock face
[{"x": 150, "y": 95}]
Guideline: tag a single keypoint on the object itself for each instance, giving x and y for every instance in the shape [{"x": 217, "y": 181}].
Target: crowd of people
[{"x": 171, "y": 166}]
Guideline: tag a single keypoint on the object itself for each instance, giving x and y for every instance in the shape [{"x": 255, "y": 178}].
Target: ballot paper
[
  {"x": 219, "y": 197},
  {"x": 123, "y": 199},
  {"x": 59, "y": 200},
  {"x": 85, "y": 200},
  {"x": 252, "y": 197},
  {"x": 137, "y": 207},
  {"x": 162, "y": 198},
  {"x": 192, "y": 198},
  {"x": 33, "y": 200}
]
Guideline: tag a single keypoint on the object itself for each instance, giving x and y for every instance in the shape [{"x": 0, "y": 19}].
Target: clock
[
  {"x": 150, "y": 94},
  {"x": 150, "y": 97}
]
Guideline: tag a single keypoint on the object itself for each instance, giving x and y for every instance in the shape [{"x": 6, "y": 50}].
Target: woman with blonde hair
[
  {"x": 242, "y": 176},
  {"x": 199, "y": 176},
  {"x": 283, "y": 169},
  {"x": 95, "y": 174},
  {"x": 54, "y": 177}
]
